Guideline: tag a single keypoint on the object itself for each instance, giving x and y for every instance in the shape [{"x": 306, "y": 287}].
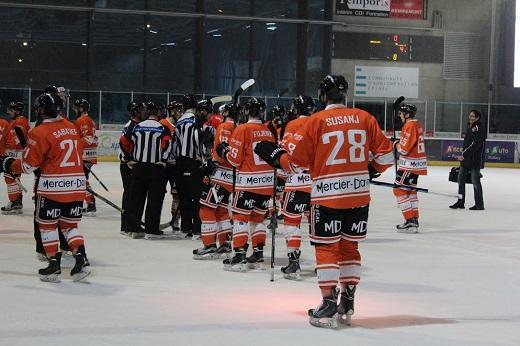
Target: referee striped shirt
[
  {"x": 187, "y": 142},
  {"x": 152, "y": 142}
]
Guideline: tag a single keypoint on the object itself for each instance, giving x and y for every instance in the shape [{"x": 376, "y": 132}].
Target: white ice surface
[{"x": 457, "y": 282}]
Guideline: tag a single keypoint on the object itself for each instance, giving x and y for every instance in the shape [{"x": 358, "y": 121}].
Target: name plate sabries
[{"x": 388, "y": 82}]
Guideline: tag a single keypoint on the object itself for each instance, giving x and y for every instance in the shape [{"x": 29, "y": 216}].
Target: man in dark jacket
[{"x": 471, "y": 161}]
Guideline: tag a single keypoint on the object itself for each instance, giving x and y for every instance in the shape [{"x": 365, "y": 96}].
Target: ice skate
[
  {"x": 208, "y": 252},
  {"x": 81, "y": 268},
  {"x": 256, "y": 260},
  {"x": 346, "y": 305},
  {"x": 411, "y": 225},
  {"x": 224, "y": 251},
  {"x": 237, "y": 263},
  {"x": 53, "y": 270},
  {"x": 90, "y": 210},
  {"x": 13, "y": 208},
  {"x": 155, "y": 236},
  {"x": 325, "y": 315},
  {"x": 292, "y": 270}
]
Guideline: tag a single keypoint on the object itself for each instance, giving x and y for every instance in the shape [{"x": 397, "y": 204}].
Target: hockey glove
[
  {"x": 270, "y": 153},
  {"x": 222, "y": 149},
  {"x": 372, "y": 172},
  {"x": 5, "y": 164}
]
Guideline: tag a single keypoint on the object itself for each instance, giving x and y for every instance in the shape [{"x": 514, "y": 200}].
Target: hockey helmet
[
  {"x": 333, "y": 87},
  {"x": 254, "y": 107},
  {"x": 82, "y": 104},
  {"x": 303, "y": 105},
  {"x": 189, "y": 101},
  {"x": 409, "y": 109},
  {"x": 205, "y": 105},
  {"x": 15, "y": 106},
  {"x": 48, "y": 105}
]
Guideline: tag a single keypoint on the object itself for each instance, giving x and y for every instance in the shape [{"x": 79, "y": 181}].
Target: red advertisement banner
[{"x": 408, "y": 9}]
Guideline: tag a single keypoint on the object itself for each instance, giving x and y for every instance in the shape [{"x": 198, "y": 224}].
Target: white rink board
[{"x": 455, "y": 283}]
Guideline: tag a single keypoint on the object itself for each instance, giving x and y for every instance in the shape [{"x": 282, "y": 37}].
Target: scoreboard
[{"x": 389, "y": 47}]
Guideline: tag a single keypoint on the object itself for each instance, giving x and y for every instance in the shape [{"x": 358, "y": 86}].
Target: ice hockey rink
[{"x": 454, "y": 283}]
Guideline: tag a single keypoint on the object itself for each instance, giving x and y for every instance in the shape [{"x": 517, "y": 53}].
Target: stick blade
[
  {"x": 247, "y": 84},
  {"x": 398, "y": 101},
  {"x": 223, "y": 98}
]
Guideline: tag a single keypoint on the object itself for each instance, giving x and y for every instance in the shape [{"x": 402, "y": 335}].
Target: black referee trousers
[
  {"x": 148, "y": 185},
  {"x": 126, "y": 177},
  {"x": 188, "y": 180}
]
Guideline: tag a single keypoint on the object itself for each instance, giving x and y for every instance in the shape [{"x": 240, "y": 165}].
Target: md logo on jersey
[
  {"x": 54, "y": 213},
  {"x": 333, "y": 227},
  {"x": 360, "y": 227},
  {"x": 300, "y": 207},
  {"x": 249, "y": 203},
  {"x": 78, "y": 211}
]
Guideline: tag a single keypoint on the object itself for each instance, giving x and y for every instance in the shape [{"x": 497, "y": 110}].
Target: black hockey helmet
[
  {"x": 254, "y": 107},
  {"x": 409, "y": 109},
  {"x": 135, "y": 108},
  {"x": 333, "y": 87},
  {"x": 189, "y": 101},
  {"x": 15, "y": 106},
  {"x": 303, "y": 105},
  {"x": 153, "y": 108},
  {"x": 82, "y": 104},
  {"x": 175, "y": 106},
  {"x": 226, "y": 110},
  {"x": 205, "y": 105},
  {"x": 50, "y": 89},
  {"x": 47, "y": 105}
]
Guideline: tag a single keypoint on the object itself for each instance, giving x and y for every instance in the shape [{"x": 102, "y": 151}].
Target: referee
[
  {"x": 188, "y": 153},
  {"x": 149, "y": 145},
  {"x": 136, "y": 112}
]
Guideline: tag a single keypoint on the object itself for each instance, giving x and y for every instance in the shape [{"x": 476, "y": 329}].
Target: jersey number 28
[{"x": 356, "y": 151}]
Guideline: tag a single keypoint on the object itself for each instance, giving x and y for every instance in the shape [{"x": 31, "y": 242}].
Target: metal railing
[{"x": 440, "y": 119}]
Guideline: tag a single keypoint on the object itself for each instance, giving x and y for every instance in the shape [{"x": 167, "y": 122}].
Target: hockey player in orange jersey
[
  {"x": 87, "y": 131},
  {"x": 54, "y": 148},
  {"x": 297, "y": 192},
  {"x": 254, "y": 187},
  {"x": 15, "y": 142},
  {"x": 213, "y": 212},
  {"x": 411, "y": 164},
  {"x": 335, "y": 145},
  {"x": 4, "y": 129}
]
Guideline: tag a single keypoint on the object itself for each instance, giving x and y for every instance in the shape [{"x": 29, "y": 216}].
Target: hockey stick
[
  {"x": 396, "y": 104},
  {"x": 414, "y": 188},
  {"x": 274, "y": 221},
  {"x": 219, "y": 99},
  {"x": 20, "y": 185},
  {"x": 244, "y": 86},
  {"x": 96, "y": 177}
]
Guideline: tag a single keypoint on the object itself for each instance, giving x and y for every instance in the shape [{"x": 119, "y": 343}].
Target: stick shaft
[{"x": 414, "y": 188}]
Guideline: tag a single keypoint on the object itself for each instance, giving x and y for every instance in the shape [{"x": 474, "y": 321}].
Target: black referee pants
[
  {"x": 148, "y": 185},
  {"x": 126, "y": 177},
  {"x": 188, "y": 180}
]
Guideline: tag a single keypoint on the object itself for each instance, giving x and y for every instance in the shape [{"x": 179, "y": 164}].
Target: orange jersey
[
  {"x": 168, "y": 124},
  {"x": 87, "y": 131},
  {"x": 224, "y": 173},
  {"x": 335, "y": 145},
  {"x": 13, "y": 146},
  {"x": 299, "y": 181},
  {"x": 54, "y": 147},
  {"x": 254, "y": 174},
  {"x": 411, "y": 149},
  {"x": 4, "y": 130}
]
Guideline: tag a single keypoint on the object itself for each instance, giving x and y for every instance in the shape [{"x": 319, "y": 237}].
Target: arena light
[
  {"x": 20, "y": 60},
  {"x": 25, "y": 44}
]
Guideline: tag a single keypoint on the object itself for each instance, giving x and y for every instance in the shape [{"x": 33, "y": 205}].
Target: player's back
[
  {"x": 412, "y": 149},
  {"x": 54, "y": 145},
  {"x": 254, "y": 173},
  {"x": 336, "y": 145}
]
